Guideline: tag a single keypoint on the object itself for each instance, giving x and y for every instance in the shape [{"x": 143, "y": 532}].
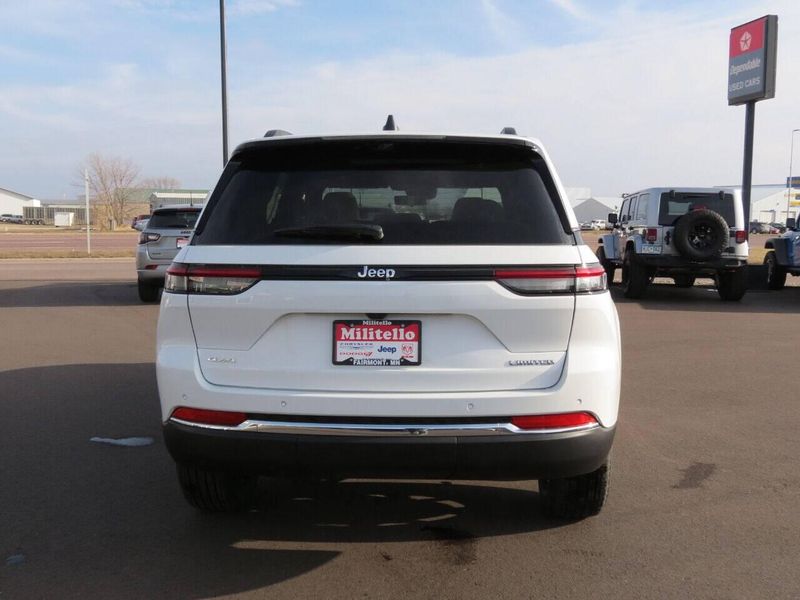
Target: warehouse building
[{"x": 12, "y": 203}]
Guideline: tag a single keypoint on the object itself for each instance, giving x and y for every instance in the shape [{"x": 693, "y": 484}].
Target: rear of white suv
[{"x": 389, "y": 306}]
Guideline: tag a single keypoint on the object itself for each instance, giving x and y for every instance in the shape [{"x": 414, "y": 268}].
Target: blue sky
[{"x": 625, "y": 94}]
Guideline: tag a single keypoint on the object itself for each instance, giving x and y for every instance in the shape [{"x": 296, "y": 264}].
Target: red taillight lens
[
  {"x": 209, "y": 417},
  {"x": 556, "y": 421},
  {"x": 144, "y": 238},
  {"x": 741, "y": 236},
  {"x": 558, "y": 280},
  {"x": 210, "y": 279},
  {"x": 652, "y": 235}
]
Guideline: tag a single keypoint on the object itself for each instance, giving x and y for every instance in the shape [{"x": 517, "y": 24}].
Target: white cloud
[{"x": 571, "y": 8}]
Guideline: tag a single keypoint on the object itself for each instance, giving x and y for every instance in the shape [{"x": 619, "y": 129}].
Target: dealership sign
[{"x": 751, "y": 60}]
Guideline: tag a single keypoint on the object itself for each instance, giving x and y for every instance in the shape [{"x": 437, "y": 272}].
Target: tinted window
[
  {"x": 173, "y": 219},
  {"x": 674, "y": 205},
  {"x": 417, "y": 192}
]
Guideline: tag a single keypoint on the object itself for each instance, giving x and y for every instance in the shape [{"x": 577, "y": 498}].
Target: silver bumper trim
[{"x": 381, "y": 429}]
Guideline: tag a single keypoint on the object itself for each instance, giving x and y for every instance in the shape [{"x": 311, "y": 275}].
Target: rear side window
[
  {"x": 173, "y": 219},
  {"x": 676, "y": 204},
  {"x": 415, "y": 192}
]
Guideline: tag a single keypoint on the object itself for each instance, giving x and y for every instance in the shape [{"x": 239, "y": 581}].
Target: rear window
[
  {"x": 677, "y": 204},
  {"x": 173, "y": 219},
  {"x": 411, "y": 192}
]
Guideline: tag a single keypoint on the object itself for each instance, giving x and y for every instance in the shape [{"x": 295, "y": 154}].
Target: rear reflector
[
  {"x": 558, "y": 280},
  {"x": 209, "y": 417},
  {"x": 556, "y": 421},
  {"x": 210, "y": 279}
]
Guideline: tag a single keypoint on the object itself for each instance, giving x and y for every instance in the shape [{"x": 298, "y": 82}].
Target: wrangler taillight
[
  {"x": 741, "y": 236},
  {"x": 210, "y": 279},
  {"x": 553, "y": 280},
  {"x": 652, "y": 235}
]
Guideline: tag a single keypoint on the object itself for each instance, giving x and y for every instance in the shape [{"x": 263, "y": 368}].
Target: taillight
[
  {"x": 209, "y": 417},
  {"x": 209, "y": 279},
  {"x": 149, "y": 237},
  {"x": 651, "y": 236},
  {"x": 555, "y": 421},
  {"x": 558, "y": 280},
  {"x": 741, "y": 236}
]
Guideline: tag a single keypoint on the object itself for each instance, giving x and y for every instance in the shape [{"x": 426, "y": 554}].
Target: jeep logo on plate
[{"x": 367, "y": 273}]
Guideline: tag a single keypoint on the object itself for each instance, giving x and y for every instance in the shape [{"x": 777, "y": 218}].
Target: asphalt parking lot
[{"x": 703, "y": 504}]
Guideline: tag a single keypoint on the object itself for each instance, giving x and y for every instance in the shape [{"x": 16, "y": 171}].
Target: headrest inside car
[{"x": 471, "y": 208}]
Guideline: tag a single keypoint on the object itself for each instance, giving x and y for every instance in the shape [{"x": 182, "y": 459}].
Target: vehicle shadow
[
  {"x": 90, "y": 520},
  {"x": 70, "y": 293},
  {"x": 703, "y": 297}
]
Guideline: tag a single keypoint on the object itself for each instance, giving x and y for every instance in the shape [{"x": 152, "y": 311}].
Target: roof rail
[
  {"x": 277, "y": 132},
  {"x": 508, "y": 131},
  {"x": 390, "y": 124}
]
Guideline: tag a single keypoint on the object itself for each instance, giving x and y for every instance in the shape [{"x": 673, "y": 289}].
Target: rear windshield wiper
[{"x": 353, "y": 231}]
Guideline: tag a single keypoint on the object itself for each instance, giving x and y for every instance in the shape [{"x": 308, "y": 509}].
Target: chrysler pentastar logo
[
  {"x": 745, "y": 41},
  {"x": 367, "y": 273}
]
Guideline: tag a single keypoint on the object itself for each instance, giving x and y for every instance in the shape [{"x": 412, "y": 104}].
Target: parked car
[
  {"x": 681, "y": 233},
  {"x": 168, "y": 230},
  {"x": 5, "y": 217},
  {"x": 305, "y": 332},
  {"x": 777, "y": 227},
  {"x": 757, "y": 227},
  {"x": 9, "y": 218},
  {"x": 782, "y": 257},
  {"x": 586, "y": 226},
  {"x": 598, "y": 224},
  {"x": 137, "y": 220}
]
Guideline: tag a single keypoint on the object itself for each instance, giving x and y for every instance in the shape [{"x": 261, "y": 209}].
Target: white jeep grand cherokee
[{"x": 389, "y": 305}]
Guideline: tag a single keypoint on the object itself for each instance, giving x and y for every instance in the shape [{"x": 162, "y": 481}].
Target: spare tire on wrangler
[{"x": 701, "y": 235}]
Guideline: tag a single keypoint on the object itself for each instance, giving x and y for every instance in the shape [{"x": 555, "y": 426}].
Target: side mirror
[
  {"x": 791, "y": 223},
  {"x": 612, "y": 218}
]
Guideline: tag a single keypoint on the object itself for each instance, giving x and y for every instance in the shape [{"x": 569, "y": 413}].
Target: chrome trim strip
[{"x": 382, "y": 430}]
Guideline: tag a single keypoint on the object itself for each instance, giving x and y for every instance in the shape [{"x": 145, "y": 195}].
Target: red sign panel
[{"x": 747, "y": 38}]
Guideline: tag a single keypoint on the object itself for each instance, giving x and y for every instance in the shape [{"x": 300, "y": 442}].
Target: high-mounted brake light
[
  {"x": 555, "y": 421},
  {"x": 557, "y": 280},
  {"x": 210, "y": 279},
  {"x": 209, "y": 417}
]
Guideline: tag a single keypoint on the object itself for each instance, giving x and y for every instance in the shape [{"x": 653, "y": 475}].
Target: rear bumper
[
  {"x": 490, "y": 457},
  {"x": 156, "y": 273},
  {"x": 678, "y": 264}
]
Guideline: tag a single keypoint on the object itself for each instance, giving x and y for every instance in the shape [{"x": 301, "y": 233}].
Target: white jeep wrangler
[{"x": 682, "y": 233}]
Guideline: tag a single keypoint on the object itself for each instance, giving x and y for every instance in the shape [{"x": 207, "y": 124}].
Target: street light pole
[
  {"x": 88, "y": 220},
  {"x": 789, "y": 181},
  {"x": 223, "y": 62}
]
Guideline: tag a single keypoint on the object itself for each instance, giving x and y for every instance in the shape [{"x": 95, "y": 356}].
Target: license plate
[
  {"x": 651, "y": 249},
  {"x": 181, "y": 242},
  {"x": 371, "y": 343}
]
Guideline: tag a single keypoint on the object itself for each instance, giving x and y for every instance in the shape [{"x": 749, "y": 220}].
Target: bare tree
[
  {"x": 160, "y": 183},
  {"x": 111, "y": 181}
]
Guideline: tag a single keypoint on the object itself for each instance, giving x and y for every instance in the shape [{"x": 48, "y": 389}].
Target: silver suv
[
  {"x": 168, "y": 230},
  {"x": 681, "y": 233},
  {"x": 389, "y": 305}
]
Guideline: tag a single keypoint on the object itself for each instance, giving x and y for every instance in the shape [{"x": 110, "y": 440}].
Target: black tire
[
  {"x": 607, "y": 265},
  {"x": 574, "y": 498},
  {"x": 683, "y": 280},
  {"x": 701, "y": 235},
  {"x": 776, "y": 274},
  {"x": 732, "y": 285},
  {"x": 147, "y": 291},
  {"x": 635, "y": 276},
  {"x": 216, "y": 491}
]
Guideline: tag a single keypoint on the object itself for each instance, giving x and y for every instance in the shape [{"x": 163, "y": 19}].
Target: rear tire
[
  {"x": 732, "y": 285},
  {"x": 574, "y": 498},
  {"x": 635, "y": 276},
  {"x": 216, "y": 491},
  {"x": 776, "y": 274},
  {"x": 683, "y": 281},
  {"x": 147, "y": 291},
  {"x": 607, "y": 265}
]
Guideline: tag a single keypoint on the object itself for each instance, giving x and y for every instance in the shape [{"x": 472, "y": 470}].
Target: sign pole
[
  {"x": 747, "y": 171},
  {"x": 88, "y": 220}
]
